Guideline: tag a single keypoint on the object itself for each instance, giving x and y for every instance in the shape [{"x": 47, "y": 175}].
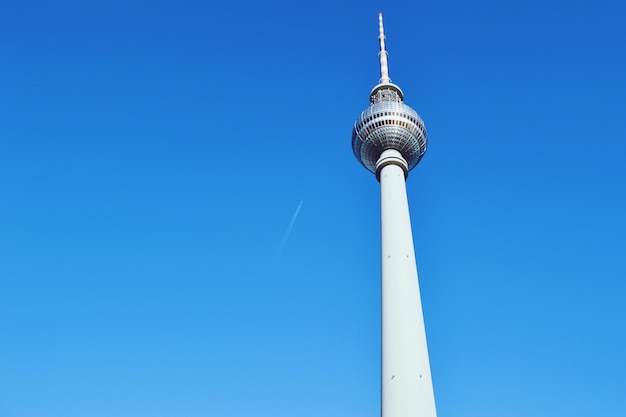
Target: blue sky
[{"x": 153, "y": 156}]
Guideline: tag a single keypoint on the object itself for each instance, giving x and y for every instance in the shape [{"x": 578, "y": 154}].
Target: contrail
[{"x": 288, "y": 232}]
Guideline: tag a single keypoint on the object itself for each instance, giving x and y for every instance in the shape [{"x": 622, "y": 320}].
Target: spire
[
  {"x": 385, "y": 90},
  {"x": 384, "y": 69}
]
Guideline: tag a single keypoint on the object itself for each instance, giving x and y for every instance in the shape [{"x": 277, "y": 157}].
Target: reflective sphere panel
[{"x": 389, "y": 125}]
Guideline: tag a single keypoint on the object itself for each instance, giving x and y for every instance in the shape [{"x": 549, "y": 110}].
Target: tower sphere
[{"x": 388, "y": 124}]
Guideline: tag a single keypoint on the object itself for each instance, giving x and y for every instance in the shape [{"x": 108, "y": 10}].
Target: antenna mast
[{"x": 384, "y": 68}]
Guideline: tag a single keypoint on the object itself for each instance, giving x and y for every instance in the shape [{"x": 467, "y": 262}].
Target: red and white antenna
[{"x": 384, "y": 68}]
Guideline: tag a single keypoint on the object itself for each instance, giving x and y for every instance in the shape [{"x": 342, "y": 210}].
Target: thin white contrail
[{"x": 288, "y": 232}]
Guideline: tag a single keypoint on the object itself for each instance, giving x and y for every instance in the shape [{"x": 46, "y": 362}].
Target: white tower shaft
[{"x": 407, "y": 389}]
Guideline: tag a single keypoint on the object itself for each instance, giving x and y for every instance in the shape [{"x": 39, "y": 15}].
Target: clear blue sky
[{"x": 153, "y": 154}]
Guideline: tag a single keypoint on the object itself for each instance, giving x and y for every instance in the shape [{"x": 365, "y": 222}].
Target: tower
[{"x": 389, "y": 139}]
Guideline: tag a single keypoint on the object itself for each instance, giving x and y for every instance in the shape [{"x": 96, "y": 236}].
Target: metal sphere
[{"x": 389, "y": 125}]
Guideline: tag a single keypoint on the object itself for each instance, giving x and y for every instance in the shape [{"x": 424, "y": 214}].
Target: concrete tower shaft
[{"x": 406, "y": 381}]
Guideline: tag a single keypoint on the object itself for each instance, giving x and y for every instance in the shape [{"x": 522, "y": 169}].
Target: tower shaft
[{"x": 407, "y": 389}]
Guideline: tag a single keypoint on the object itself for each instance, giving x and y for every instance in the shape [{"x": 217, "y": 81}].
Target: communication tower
[{"x": 389, "y": 139}]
